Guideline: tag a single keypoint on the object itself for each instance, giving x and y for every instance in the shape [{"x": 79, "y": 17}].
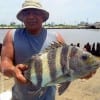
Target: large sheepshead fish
[{"x": 59, "y": 64}]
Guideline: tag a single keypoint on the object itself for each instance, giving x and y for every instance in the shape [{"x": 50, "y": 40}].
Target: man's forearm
[{"x": 7, "y": 68}]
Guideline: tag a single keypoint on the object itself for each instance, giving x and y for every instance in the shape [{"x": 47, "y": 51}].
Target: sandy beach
[
  {"x": 80, "y": 89},
  {"x": 83, "y": 89}
]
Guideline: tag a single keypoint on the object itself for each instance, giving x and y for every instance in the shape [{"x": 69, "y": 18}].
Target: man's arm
[
  {"x": 7, "y": 53},
  {"x": 7, "y": 57}
]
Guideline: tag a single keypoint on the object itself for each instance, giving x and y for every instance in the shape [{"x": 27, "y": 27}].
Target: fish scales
[
  {"x": 59, "y": 70},
  {"x": 47, "y": 67},
  {"x": 63, "y": 59},
  {"x": 51, "y": 56},
  {"x": 60, "y": 64},
  {"x": 48, "y": 62},
  {"x": 57, "y": 62},
  {"x": 35, "y": 71},
  {"x": 52, "y": 65},
  {"x": 46, "y": 77},
  {"x": 38, "y": 70}
]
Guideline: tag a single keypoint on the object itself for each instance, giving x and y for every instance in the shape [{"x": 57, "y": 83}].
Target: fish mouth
[
  {"x": 88, "y": 75},
  {"x": 95, "y": 66}
]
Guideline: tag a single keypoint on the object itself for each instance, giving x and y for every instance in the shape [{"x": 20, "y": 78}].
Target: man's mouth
[{"x": 32, "y": 21}]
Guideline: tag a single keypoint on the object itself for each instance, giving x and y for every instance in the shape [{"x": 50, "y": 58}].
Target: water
[
  {"x": 2, "y": 34},
  {"x": 74, "y": 36},
  {"x": 81, "y": 36}
]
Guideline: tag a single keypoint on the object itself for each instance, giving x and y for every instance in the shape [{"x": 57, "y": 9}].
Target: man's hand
[{"x": 18, "y": 73}]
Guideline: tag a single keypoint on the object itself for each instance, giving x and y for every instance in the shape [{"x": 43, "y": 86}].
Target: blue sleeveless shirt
[{"x": 26, "y": 45}]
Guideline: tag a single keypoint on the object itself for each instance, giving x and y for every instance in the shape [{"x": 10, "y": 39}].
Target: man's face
[{"x": 32, "y": 19}]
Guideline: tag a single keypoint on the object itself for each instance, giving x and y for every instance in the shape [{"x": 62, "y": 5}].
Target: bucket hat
[{"x": 35, "y": 5}]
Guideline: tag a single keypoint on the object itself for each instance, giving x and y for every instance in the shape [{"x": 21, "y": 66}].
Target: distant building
[
  {"x": 97, "y": 24},
  {"x": 83, "y": 25}
]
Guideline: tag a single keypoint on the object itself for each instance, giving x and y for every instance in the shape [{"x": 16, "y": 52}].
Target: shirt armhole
[{"x": 13, "y": 33}]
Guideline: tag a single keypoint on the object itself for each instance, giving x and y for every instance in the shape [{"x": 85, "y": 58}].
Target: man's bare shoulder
[{"x": 8, "y": 36}]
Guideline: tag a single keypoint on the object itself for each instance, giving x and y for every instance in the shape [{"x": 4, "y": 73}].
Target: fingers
[
  {"x": 19, "y": 69},
  {"x": 22, "y": 67}
]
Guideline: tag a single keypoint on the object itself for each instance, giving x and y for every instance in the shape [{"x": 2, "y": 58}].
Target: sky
[{"x": 61, "y": 11}]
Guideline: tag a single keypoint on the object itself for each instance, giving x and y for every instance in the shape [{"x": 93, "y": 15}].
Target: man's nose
[{"x": 31, "y": 15}]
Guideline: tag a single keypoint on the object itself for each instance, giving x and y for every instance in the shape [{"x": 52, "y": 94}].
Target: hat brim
[{"x": 44, "y": 13}]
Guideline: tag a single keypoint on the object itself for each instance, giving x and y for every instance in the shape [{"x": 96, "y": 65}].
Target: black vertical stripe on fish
[
  {"x": 63, "y": 59},
  {"x": 73, "y": 51},
  {"x": 74, "y": 59},
  {"x": 27, "y": 73},
  {"x": 52, "y": 63},
  {"x": 38, "y": 70}
]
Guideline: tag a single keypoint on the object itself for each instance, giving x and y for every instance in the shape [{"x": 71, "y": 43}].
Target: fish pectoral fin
[{"x": 63, "y": 87}]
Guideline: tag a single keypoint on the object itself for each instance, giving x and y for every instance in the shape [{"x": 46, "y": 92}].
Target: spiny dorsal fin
[{"x": 54, "y": 45}]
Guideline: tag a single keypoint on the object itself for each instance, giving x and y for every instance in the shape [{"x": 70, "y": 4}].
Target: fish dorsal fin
[{"x": 54, "y": 45}]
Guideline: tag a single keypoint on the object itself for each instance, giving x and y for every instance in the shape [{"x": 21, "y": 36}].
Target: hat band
[{"x": 37, "y": 5}]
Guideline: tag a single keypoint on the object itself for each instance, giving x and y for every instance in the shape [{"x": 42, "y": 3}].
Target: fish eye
[{"x": 84, "y": 57}]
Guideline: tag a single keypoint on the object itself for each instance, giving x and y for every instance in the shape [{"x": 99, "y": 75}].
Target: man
[{"x": 21, "y": 44}]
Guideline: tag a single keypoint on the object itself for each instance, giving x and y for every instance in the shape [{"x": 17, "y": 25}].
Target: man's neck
[{"x": 34, "y": 31}]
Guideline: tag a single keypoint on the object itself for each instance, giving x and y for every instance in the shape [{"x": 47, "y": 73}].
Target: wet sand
[
  {"x": 79, "y": 89},
  {"x": 83, "y": 89}
]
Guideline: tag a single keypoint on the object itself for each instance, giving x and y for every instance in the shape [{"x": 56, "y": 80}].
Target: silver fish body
[{"x": 60, "y": 64}]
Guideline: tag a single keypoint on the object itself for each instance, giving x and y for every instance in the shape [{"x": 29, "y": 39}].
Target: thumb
[
  {"x": 19, "y": 74},
  {"x": 22, "y": 67}
]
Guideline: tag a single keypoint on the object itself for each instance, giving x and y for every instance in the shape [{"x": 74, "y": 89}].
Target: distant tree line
[
  {"x": 81, "y": 25},
  {"x": 11, "y": 25},
  {"x": 52, "y": 25}
]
